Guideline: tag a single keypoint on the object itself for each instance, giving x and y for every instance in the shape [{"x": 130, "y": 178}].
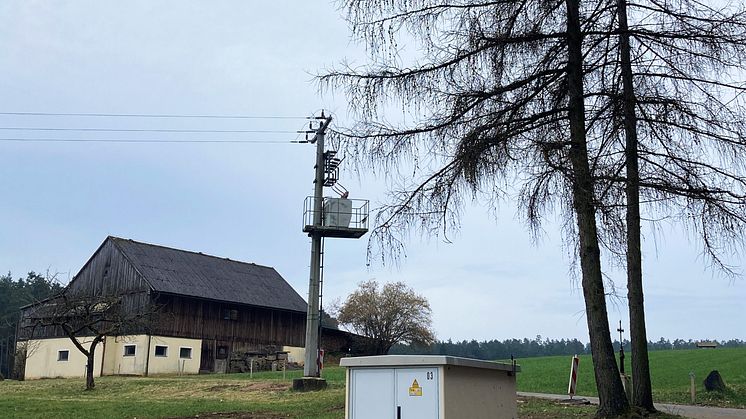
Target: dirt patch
[
  {"x": 267, "y": 386},
  {"x": 257, "y": 387},
  {"x": 224, "y": 387},
  {"x": 235, "y": 415}
]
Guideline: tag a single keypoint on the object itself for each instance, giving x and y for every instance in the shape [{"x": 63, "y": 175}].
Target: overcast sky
[{"x": 59, "y": 201}]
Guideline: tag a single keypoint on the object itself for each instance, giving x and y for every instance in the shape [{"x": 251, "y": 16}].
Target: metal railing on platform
[{"x": 340, "y": 217}]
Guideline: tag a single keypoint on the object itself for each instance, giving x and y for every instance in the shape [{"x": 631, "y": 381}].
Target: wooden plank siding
[
  {"x": 204, "y": 319},
  {"x": 108, "y": 272},
  {"x": 132, "y": 302}
]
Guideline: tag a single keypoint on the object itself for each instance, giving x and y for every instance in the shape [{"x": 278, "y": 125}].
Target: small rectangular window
[
  {"x": 63, "y": 355},
  {"x": 222, "y": 352},
  {"x": 185, "y": 353},
  {"x": 230, "y": 314},
  {"x": 161, "y": 350},
  {"x": 129, "y": 350}
]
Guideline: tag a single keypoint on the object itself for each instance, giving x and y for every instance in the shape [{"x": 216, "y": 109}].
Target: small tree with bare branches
[
  {"x": 84, "y": 317},
  {"x": 393, "y": 314}
]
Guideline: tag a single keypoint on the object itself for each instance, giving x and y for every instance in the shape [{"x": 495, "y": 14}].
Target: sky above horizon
[{"x": 59, "y": 200}]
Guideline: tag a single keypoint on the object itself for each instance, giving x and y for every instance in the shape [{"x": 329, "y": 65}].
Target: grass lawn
[
  {"x": 266, "y": 396},
  {"x": 669, "y": 373}
]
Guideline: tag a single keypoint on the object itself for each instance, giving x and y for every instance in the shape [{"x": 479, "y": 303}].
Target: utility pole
[
  {"x": 341, "y": 218},
  {"x": 621, "y": 348},
  {"x": 313, "y": 317}
]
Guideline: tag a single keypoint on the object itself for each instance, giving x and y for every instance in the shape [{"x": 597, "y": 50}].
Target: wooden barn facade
[{"x": 207, "y": 308}]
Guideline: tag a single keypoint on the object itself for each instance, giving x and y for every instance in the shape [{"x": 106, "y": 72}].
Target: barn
[{"x": 208, "y": 308}]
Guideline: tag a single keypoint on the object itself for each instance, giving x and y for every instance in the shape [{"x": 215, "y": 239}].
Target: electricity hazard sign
[{"x": 415, "y": 389}]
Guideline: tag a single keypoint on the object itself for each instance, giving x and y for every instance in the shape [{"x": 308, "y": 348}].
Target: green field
[
  {"x": 266, "y": 396},
  {"x": 669, "y": 373}
]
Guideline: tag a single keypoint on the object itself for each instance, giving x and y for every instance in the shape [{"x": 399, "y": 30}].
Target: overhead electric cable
[
  {"x": 227, "y": 131},
  {"x": 132, "y": 140},
  {"x": 136, "y": 115}
]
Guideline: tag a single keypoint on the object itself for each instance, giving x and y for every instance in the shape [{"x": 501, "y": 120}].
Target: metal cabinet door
[
  {"x": 372, "y": 393},
  {"x": 417, "y": 393}
]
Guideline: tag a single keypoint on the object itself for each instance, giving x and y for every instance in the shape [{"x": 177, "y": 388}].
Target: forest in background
[
  {"x": 538, "y": 346},
  {"x": 14, "y": 294}
]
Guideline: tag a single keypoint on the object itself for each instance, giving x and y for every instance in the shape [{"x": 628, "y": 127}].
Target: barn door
[{"x": 207, "y": 360}]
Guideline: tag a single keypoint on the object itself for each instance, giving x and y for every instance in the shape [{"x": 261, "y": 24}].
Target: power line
[
  {"x": 140, "y": 140},
  {"x": 151, "y": 130},
  {"x": 136, "y": 115}
]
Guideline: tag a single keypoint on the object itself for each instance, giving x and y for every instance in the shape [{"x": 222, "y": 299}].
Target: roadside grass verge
[
  {"x": 531, "y": 408},
  {"x": 669, "y": 374}
]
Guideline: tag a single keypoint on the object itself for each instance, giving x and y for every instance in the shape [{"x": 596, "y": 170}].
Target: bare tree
[
  {"x": 499, "y": 100},
  {"x": 674, "y": 108},
  {"x": 395, "y": 314},
  {"x": 23, "y": 351},
  {"x": 84, "y": 318},
  {"x": 642, "y": 390}
]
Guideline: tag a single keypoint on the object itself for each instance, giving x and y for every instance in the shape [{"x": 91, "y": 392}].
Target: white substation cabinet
[{"x": 429, "y": 387}]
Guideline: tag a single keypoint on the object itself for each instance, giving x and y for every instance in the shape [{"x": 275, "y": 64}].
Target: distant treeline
[
  {"x": 525, "y": 348},
  {"x": 15, "y": 294}
]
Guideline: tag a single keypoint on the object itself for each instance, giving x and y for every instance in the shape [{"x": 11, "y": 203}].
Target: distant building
[
  {"x": 707, "y": 345},
  {"x": 208, "y": 308}
]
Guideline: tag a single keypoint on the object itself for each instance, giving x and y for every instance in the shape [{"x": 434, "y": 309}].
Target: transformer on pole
[{"x": 325, "y": 217}]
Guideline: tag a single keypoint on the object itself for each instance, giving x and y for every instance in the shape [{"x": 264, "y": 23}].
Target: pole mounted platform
[{"x": 342, "y": 218}]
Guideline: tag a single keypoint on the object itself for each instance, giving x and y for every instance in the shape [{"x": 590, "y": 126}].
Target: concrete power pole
[
  {"x": 347, "y": 218},
  {"x": 313, "y": 317}
]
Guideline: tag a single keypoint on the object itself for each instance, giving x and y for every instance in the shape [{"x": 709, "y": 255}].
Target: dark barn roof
[{"x": 182, "y": 272}]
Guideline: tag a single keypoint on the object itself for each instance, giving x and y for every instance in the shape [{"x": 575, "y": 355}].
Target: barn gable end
[{"x": 108, "y": 272}]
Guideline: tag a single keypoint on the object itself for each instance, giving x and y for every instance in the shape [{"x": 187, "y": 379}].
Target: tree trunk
[
  {"x": 642, "y": 392},
  {"x": 90, "y": 367},
  {"x": 612, "y": 400},
  {"x": 19, "y": 365},
  {"x": 89, "y": 384}
]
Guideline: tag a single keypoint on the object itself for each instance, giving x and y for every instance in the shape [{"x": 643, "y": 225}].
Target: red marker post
[
  {"x": 573, "y": 376},
  {"x": 320, "y": 360}
]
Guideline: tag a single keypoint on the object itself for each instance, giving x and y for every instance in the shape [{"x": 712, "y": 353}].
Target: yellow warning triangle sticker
[{"x": 415, "y": 389}]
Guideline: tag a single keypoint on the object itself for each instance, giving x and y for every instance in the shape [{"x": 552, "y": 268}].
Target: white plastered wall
[
  {"x": 42, "y": 358},
  {"x": 43, "y": 354},
  {"x": 115, "y": 363},
  {"x": 173, "y": 363},
  {"x": 295, "y": 354}
]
